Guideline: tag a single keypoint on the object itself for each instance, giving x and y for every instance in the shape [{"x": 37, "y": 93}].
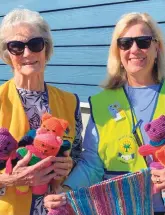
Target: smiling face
[
  {"x": 28, "y": 63},
  {"x": 138, "y": 61}
]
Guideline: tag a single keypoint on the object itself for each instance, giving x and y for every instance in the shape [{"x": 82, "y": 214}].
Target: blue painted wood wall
[{"x": 81, "y": 32}]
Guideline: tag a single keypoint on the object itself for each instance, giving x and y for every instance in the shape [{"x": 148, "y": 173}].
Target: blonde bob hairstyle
[
  {"x": 116, "y": 73},
  {"x": 24, "y": 16}
]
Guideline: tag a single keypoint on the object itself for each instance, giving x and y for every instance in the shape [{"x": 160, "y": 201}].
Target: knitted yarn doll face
[
  {"x": 54, "y": 125},
  {"x": 156, "y": 129},
  {"x": 7, "y": 143},
  {"x": 48, "y": 139},
  {"x": 47, "y": 143}
]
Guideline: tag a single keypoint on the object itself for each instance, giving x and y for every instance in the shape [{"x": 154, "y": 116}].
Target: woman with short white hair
[{"x": 26, "y": 45}]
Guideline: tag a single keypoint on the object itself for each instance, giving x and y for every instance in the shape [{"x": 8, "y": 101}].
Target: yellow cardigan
[{"x": 12, "y": 116}]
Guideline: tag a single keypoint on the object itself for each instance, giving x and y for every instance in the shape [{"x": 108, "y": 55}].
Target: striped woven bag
[{"x": 129, "y": 194}]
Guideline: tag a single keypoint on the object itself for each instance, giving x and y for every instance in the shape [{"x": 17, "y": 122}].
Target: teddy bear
[
  {"x": 8, "y": 156},
  {"x": 156, "y": 147},
  {"x": 46, "y": 142},
  {"x": 8, "y": 146},
  {"x": 156, "y": 132}
]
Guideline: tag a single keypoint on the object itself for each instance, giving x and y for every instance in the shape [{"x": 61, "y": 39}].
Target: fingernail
[{"x": 63, "y": 197}]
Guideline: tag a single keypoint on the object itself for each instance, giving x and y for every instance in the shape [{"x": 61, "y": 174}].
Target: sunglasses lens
[
  {"x": 143, "y": 42},
  {"x": 16, "y": 47},
  {"x": 124, "y": 43},
  {"x": 36, "y": 44}
]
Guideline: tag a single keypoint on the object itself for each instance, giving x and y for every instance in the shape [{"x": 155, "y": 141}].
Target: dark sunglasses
[
  {"x": 143, "y": 42},
  {"x": 17, "y": 47}
]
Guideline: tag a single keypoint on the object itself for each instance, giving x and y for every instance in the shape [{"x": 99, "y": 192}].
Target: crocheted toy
[
  {"x": 156, "y": 147},
  {"x": 46, "y": 142},
  {"x": 156, "y": 132},
  {"x": 8, "y": 146},
  {"x": 30, "y": 135}
]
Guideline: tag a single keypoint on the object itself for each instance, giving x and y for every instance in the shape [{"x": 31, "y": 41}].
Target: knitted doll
[
  {"x": 47, "y": 142},
  {"x": 156, "y": 132},
  {"x": 156, "y": 147},
  {"x": 8, "y": 146}
]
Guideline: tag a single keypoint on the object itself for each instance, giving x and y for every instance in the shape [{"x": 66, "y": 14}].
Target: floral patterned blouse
[{"x": 35, "y": 103}]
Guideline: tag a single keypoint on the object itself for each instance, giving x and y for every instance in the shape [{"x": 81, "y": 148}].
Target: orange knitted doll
[{"x": 47, "y": 142}]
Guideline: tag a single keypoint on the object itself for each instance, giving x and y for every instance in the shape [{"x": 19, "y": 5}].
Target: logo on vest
[
  {"x": 116, "y": 111},
  {"x": 127, "y": 149}
]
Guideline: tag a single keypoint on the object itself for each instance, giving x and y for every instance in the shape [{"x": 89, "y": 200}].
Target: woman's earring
[{"x": 121, "y": 65}]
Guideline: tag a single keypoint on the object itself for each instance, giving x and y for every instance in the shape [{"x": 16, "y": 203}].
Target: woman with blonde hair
[
  {"x": 134, "y": 94},
  {"x": 26, "y": 46}
]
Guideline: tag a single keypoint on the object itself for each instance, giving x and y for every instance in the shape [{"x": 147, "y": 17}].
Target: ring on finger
[{"x": 158, "y": 181}]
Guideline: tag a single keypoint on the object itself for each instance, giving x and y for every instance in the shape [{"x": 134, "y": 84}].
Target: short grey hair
[{"x": 20, "y": 16}]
